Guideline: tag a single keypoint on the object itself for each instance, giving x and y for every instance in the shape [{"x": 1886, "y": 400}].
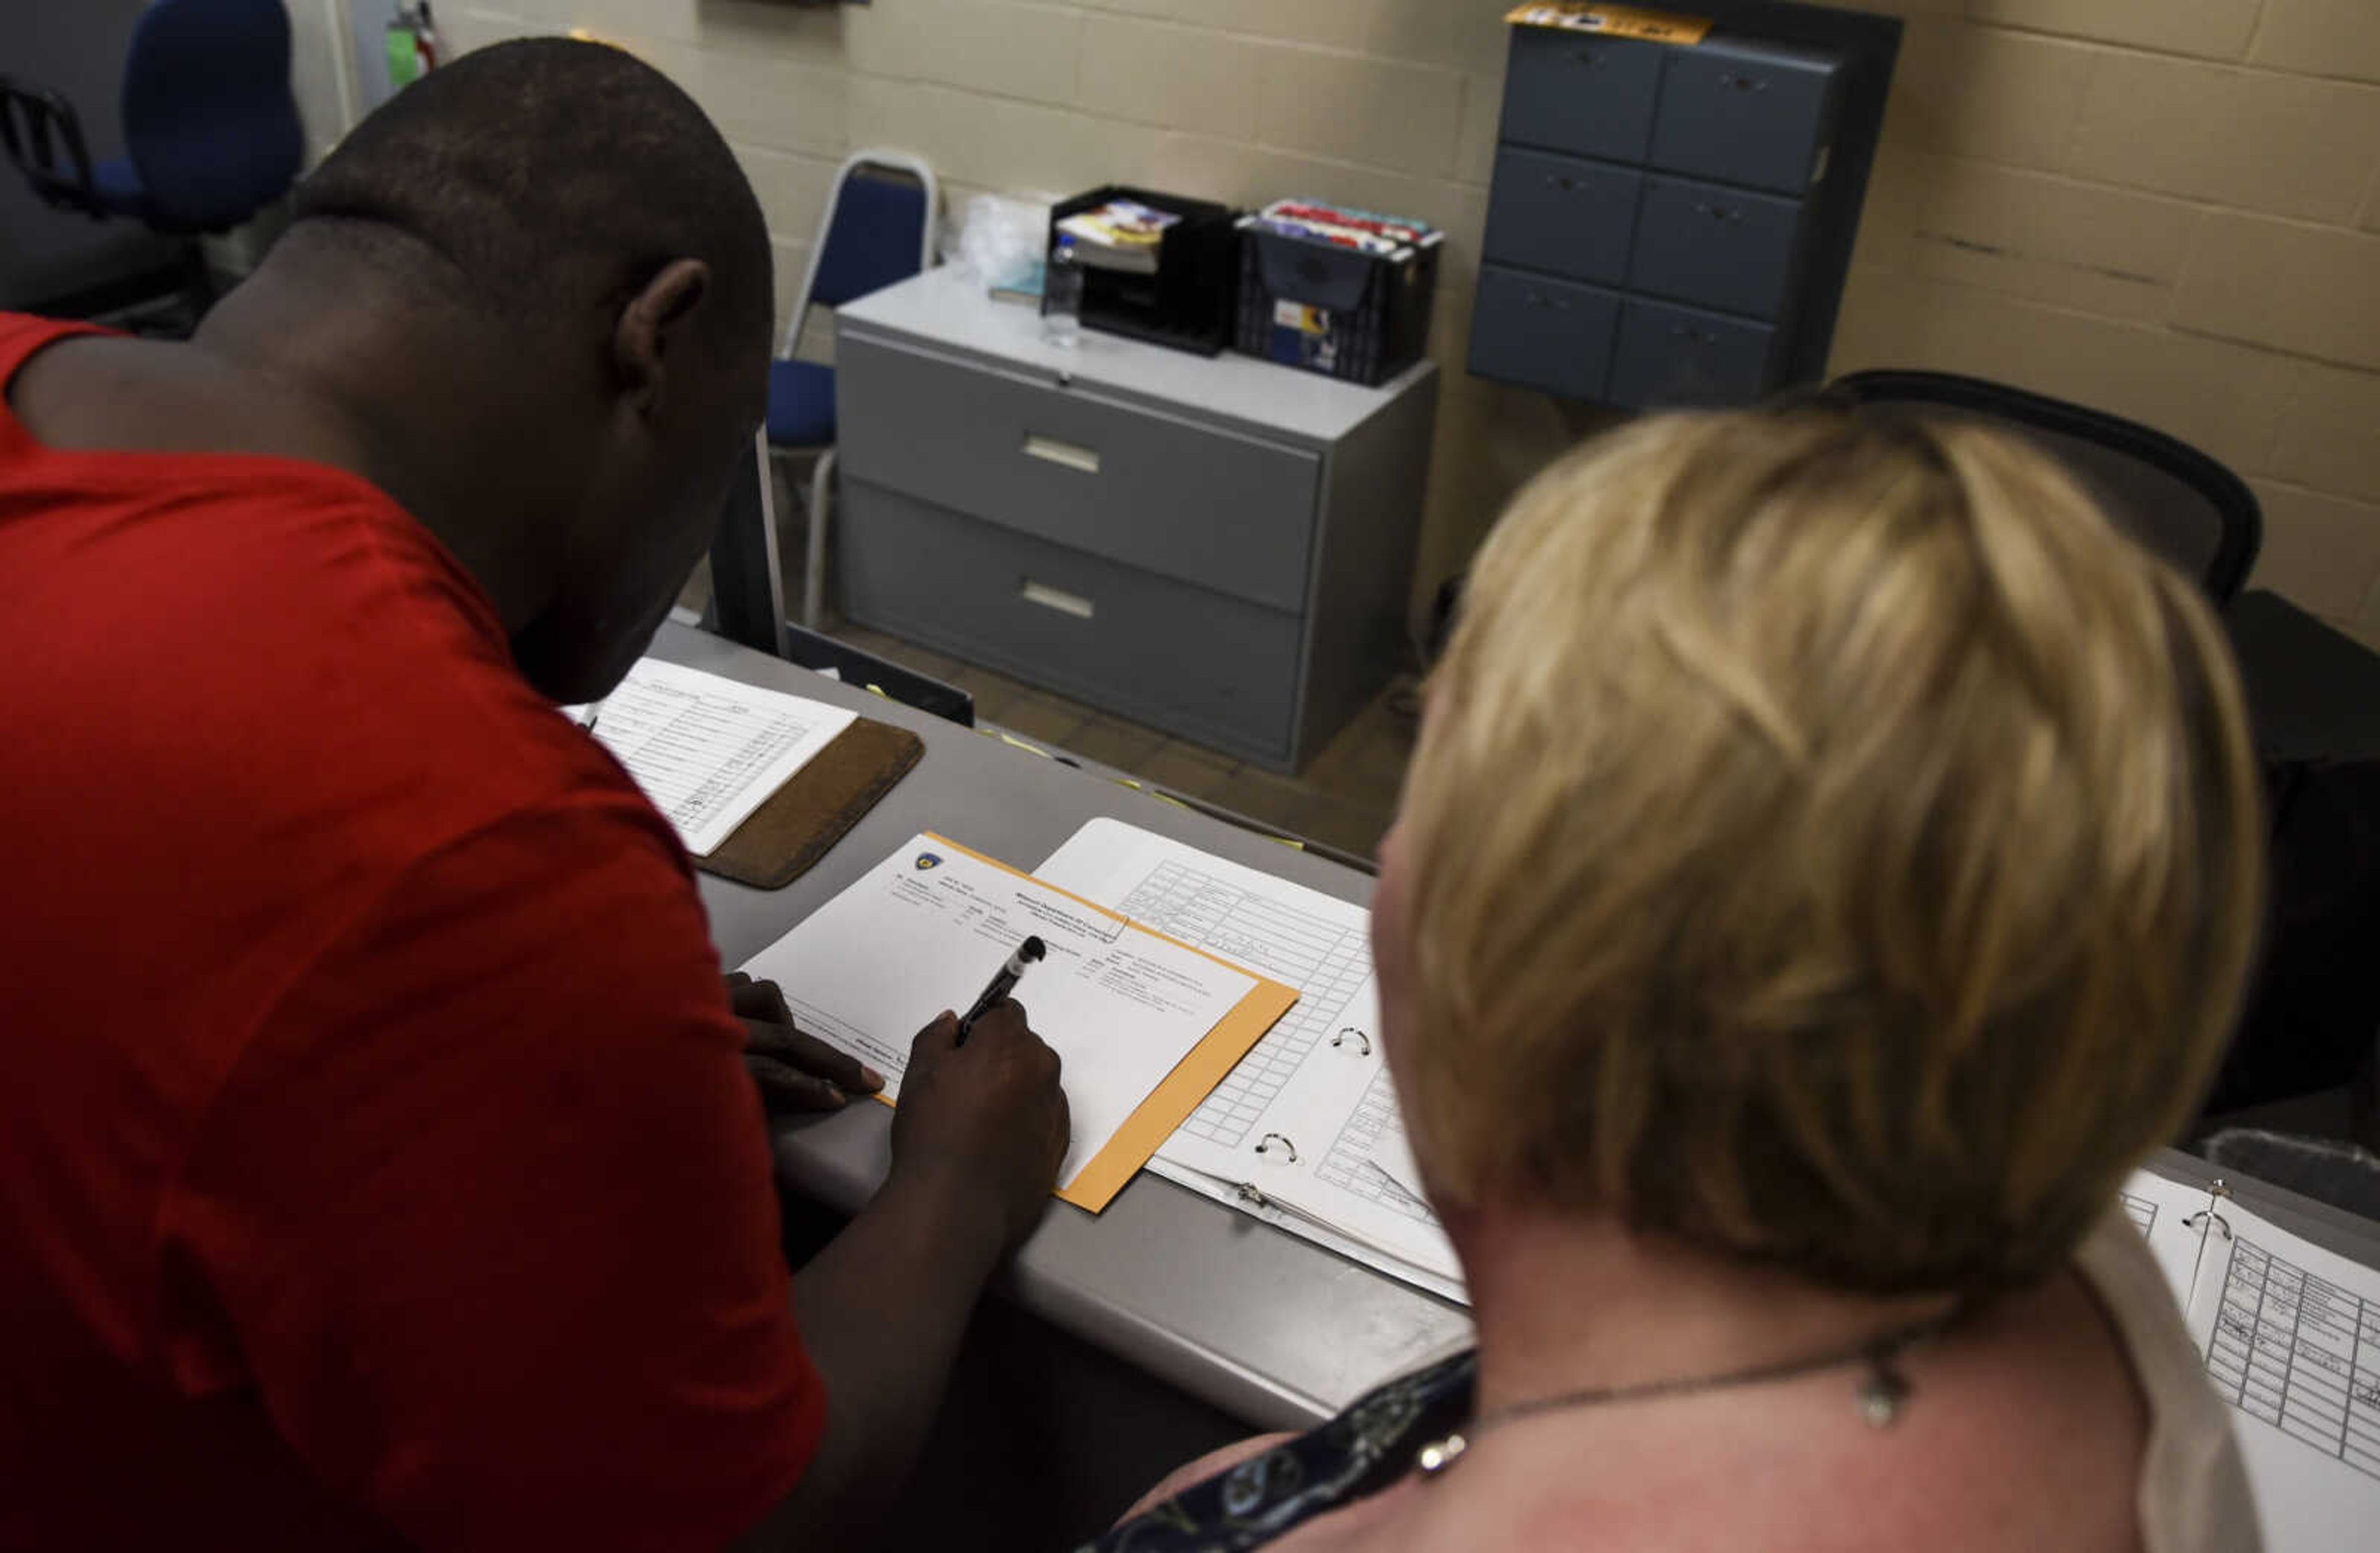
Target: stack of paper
[
  {"x": 1306, "y": 1132},
  {"x": 707, "y": 751},
  {"x": 2291, "y": 1336},
  {"x": 1121, "y": 235},
  {"x": 1145, "y": 1025}
]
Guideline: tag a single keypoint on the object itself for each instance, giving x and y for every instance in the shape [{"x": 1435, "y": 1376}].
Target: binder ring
[
  {"x": 1250, "y": 1192},
  {"x": 1264, "y": 1145},
  {"x": 1340, "y": 1038},
  {"x": 2219, "y": 1189}
]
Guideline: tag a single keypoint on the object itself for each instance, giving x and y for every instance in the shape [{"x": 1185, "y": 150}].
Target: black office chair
[
  {"x": 2167, "y": 494},
  {"x": 211, "y": 130}
]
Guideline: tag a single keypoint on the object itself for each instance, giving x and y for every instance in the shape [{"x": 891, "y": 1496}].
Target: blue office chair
[
  {"x": 879, "y": 227},
  {"x": 211, "y": 131}
]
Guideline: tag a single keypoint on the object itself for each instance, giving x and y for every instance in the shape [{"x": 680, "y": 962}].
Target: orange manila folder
[{"x": 1144, "y": 1023}]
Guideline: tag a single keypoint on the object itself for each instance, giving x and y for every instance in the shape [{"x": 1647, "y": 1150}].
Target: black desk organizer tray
[{"x": 1187, "y": 303}]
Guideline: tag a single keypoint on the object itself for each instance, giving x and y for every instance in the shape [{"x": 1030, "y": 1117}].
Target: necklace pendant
[
  {"x": 1439, "y": 1454},
  {"x": 1880, "y": 1396}
]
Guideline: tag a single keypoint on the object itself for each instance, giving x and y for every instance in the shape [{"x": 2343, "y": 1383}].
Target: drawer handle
[
  {"x": 1717, "y": 212},
  {"x": 1563, "y": 181},
  {"x": 1588, "y": 57},
  {"x": 1742, "y": 83},
  {"x": 1057, "y": 599},
  {"x": 1073, "y": 456},
  {"x": 1692, "y": 335},
  {"x": 1531, "y": 300}
]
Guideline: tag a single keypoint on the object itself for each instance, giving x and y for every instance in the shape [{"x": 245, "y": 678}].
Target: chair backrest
[
  {"x": 41, "y": 133},
  {"x": 2172, "y": 498},
  {"x": 209, "y": 119},
  {"x": 879, "y": 227}
]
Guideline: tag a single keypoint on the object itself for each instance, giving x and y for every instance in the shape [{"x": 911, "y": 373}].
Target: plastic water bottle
[{"x": 1062, "y": 296}]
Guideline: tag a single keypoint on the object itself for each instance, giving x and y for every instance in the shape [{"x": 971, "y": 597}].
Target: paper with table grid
[
  {"x": 2290, "y": 1335},
  {"x": 706, "y": 750},
  {"x": 1291, "y": 1135}
]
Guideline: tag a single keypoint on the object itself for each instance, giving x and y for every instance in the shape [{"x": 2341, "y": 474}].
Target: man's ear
[{"x": 654, "y": 324}]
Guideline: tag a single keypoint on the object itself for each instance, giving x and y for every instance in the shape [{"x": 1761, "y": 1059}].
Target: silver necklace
[{"x": 1883, "y": 1391}]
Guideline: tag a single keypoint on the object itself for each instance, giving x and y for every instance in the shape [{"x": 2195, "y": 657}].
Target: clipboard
[
  {"x": 1182, "y": 1090},
  {"x": 795, "y": 825}
]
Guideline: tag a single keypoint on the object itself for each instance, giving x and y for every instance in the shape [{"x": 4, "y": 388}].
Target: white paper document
[
  {"x": 1294, "y": 1134},
  {"x": 707, "y": 751},
  {"x": 2291, "y": 1335},
  {"x": 925, "y": 930}
]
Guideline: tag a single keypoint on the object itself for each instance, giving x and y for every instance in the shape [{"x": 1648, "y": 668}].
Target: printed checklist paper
[
  {"x": 707, "y": 751},
  {"x": 2289, "y": 1334},
  {"x": 1146, "y": 1024}
]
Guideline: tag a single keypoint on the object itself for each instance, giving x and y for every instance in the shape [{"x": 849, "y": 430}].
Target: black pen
[{"x": 1003, "y": 982}]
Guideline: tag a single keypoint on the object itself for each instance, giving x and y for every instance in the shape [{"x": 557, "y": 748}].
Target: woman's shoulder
[{"x": 2193, "y": 1489}]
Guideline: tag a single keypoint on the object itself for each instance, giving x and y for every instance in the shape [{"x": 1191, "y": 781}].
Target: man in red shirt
[{"x": 377, "y": 1163}]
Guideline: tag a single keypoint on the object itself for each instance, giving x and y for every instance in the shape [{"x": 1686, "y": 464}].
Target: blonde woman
[{"x": 1828, "y": 865}]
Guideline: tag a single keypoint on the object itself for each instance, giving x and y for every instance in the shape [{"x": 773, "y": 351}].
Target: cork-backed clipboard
[{"x": 795, "y": 825}]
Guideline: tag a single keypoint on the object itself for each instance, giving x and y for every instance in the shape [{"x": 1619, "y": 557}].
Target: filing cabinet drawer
[
  {"x": 1577, "y": 92},
  {"x": 1561, "y": 215},
  {"x": 1719, "y": 247},
  {"x": 1745, "y": 113},
  {"x": 1545, "y": 334},
  {"x": 1218, "y": 669},
  {"x": 1671, "y": 356},
  {"x": 1138, "y": 487}
]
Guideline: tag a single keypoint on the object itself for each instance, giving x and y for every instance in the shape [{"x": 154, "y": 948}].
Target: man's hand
[
  {"x": 795, "y": 1072},
  {"x": 985, "y": 1117}
]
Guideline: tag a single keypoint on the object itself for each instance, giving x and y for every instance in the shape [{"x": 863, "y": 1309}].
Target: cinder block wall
[{"x": 2166, "y": 208}]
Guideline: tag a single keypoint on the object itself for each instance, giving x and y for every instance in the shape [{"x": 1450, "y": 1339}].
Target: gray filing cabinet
[
  {"x": 1671, "y": 224},
  {"x": 1220, "y": 548}
]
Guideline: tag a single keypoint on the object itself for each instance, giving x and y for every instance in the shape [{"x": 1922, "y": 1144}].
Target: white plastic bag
[{"x": 1000, "y": 241}]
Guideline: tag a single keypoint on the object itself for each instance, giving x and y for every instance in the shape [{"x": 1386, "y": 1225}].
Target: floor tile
[
  {"x": 1043, "y": 718},
  {"x": 1185, "y": 768},
  {"x": 1276, "y": 802},
  {"x": 1350, "y": 827},
  {"x": 994, "y": 694},
  {"x": 1114, "y": 742}
]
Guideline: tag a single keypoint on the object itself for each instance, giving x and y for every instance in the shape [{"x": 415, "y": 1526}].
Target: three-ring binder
[{"x": 2207, "y": 1217}]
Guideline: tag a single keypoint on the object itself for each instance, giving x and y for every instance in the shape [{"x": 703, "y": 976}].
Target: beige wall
[{"x": 2166, "y": 208}]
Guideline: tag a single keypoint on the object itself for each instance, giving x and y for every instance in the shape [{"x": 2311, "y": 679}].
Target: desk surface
[
  {"x": 1255, "y": 1321},
  {"x": 1260, "y": 1324},
  {"x": 948, "y": 307}
]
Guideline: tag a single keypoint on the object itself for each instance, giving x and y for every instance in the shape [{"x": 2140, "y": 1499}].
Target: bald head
[
  {"x": 532, "y": 294},
  {"x": 547, "y": 178}
]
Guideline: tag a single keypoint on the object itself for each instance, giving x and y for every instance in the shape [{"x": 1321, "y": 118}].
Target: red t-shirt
[{"x": 377, "y": 1162}]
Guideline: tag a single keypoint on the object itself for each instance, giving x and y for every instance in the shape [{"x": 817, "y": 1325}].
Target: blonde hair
[{"x": 1829, "y": 842}]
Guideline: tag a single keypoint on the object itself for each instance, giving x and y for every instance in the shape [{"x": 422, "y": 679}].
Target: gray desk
[{"x": 1260, "y": 1324}]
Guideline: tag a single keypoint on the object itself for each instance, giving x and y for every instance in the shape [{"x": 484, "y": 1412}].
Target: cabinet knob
[
  {"x": 1717, "y": 212},
  {"x": 1692, "y": 335},
  {"x": 1563, "y": 181},
  {"x": 1559, "y": 304},
  {"x": 1591, "y": 59},
  {"x": 1742, "y": 83}
]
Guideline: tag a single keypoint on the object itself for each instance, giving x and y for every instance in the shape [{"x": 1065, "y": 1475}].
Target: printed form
[
  {"x": 1144, "y": 1025},
  {"x": 1297, "y": 1134},
  {"x": 2291, "y": 1335},
  {"x": 707, "y": 751}
]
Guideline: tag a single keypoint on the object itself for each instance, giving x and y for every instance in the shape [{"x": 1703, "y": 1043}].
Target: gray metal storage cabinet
[
  {"x": 1222, "y": 547},
  {"x": 1672, "y": 223}
]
